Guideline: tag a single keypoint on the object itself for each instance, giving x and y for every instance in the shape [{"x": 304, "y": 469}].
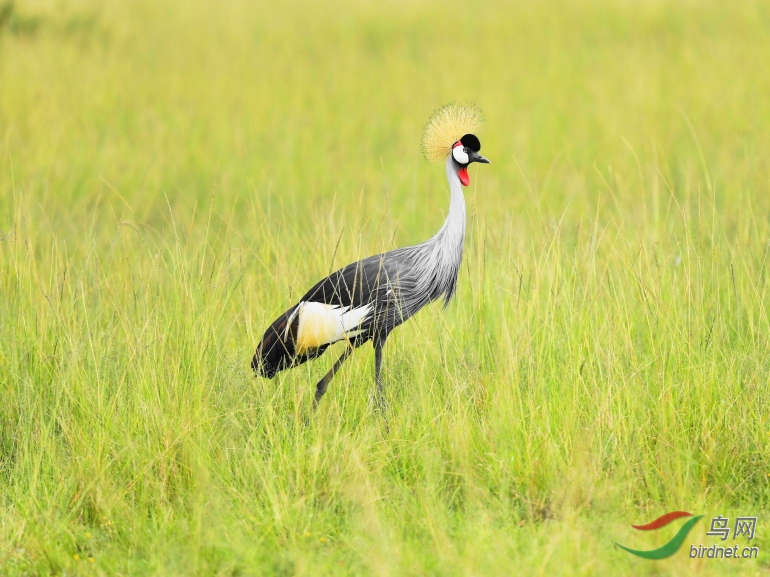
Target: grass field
[{"x": 173, "y": 175}]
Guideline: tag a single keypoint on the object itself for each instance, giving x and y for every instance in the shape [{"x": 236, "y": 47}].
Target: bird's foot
[{"x": 377, "y": 401}]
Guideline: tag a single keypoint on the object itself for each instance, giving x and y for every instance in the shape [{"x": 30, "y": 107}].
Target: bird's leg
[
  {"x": 320, "y": 388},
  {"x": 378, "y": 344}
]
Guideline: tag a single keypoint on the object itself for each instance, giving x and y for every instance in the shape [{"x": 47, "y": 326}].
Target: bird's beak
[{"x": 476, "y": 157}]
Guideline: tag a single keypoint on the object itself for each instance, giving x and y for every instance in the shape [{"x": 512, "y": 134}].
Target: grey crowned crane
[{"x": 366, "y": 300}]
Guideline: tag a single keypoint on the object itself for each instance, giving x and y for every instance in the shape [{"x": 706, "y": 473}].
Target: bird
[{"x": 365, "y": 300}]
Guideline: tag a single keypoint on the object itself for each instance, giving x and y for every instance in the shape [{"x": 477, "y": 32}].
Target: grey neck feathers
[
  {"x": 451, "y": 236},
  {"x": 436, "y": 262},
  {"x": 449, "y": 241}
]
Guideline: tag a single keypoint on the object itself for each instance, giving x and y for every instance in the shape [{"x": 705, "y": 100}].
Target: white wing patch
[{"x": 321, "y": 324}]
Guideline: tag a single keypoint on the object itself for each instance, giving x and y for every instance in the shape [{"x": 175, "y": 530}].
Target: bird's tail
[{"x": 278, "y": 348}]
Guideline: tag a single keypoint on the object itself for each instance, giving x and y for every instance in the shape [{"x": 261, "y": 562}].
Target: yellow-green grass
[{"x": 175, "y": 175}]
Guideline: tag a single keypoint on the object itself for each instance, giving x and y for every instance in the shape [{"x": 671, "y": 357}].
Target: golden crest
[{"x": 446, "y": 126}]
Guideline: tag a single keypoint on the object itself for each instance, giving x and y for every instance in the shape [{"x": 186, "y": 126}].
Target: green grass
[{"x": 173, "y": 176}]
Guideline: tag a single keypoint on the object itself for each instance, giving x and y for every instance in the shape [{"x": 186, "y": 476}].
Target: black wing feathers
[
  {"x": 355, "y": 285},
  {"x": 358, "y": 284}
]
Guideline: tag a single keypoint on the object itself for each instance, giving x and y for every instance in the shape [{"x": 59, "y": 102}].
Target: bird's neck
[
  {"x": 451, "y": 236},
  {"x": 444, "y": 252},
  {"x": 435, "y": 263}
]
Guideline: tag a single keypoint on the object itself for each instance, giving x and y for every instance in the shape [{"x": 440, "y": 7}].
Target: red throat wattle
[{"x": 464, "y": 178}]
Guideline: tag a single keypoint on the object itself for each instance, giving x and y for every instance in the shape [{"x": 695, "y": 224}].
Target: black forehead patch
[{"x": 471, "y": 141}]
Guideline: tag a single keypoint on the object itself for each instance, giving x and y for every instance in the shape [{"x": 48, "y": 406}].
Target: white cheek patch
[{"x": 459, "y": 154}]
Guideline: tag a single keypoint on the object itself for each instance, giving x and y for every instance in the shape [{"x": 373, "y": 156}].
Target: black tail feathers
[{"x": 276, "y": 350}]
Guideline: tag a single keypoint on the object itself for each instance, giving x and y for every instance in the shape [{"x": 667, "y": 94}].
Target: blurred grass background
[{"x": 175, "y": 174}]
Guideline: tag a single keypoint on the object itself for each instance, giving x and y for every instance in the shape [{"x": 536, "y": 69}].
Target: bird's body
[
  {"x": 367, "y": 299},
  {"x": 371, "y": 297}
]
